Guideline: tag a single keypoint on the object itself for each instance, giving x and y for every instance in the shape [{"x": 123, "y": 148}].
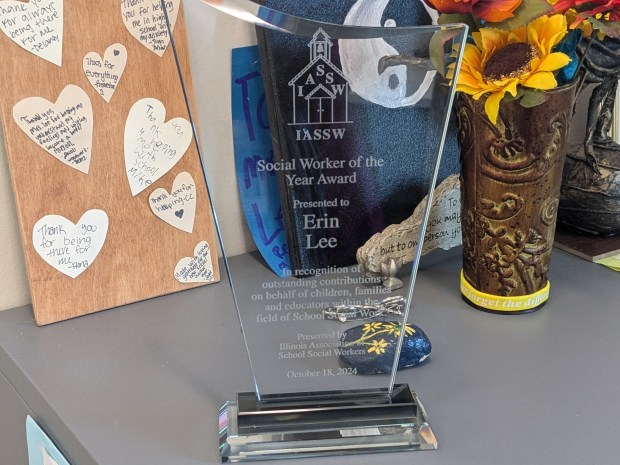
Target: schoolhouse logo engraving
[{"x": 320, "y": 93}]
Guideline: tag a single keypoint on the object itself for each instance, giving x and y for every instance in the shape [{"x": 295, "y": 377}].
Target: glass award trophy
[{"x": 339, "y": 117}]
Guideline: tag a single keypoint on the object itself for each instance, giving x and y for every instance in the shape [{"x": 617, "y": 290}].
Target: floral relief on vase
[{"x": 511, "y": 172}]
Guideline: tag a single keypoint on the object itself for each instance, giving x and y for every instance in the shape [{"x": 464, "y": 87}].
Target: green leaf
[
  {"x": 454, "y": 18},
  {"x": 509, "y": 98},
  {"x": 528, "y": 11},
  {"x": 532, "y": 98},
  {"x": 609, "y": 28},
  {"x": 437, "y": 50}
]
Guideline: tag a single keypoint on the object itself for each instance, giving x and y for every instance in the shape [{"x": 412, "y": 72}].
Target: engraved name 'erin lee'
[{"x": 312, "y": 222}]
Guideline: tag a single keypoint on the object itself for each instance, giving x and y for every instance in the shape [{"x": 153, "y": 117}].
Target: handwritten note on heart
[
  {"x": 64, "y": 128},
  {"x": 145, "y": 21},
  {"x": 36, "y": 26},
  {"x": 196, "y": 269},
  {"x": 152, "y": 147},
  {"x": 177, "y": 208},
  {"x": 70, "y": 248},
  {"x": 104, "y": 73}
]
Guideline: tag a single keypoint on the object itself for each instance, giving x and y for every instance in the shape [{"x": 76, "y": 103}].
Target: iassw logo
[{"x": 320, "y": 93}]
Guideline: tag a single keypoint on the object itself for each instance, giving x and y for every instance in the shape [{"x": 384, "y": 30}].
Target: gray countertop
[{"x": 142, "y": 384}]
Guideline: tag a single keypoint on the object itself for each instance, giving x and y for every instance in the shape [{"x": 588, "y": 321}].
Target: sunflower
[
  {"x": 396, "y": 328},
  {"x": 378, "y": 346},
  {"x": 372, "y": 326},
  {"x": 500, "y": 61}
]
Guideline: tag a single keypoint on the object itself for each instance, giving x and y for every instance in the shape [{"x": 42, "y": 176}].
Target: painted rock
[{"x": 371, "y": 347}]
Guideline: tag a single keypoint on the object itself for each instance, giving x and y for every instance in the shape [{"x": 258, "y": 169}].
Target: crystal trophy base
[{"x": 323, "y": 424}]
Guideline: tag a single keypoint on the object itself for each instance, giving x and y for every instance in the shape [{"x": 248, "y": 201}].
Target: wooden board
[
  {"x": 141, "y": 251},
  {"x": 592, "y": 248}
]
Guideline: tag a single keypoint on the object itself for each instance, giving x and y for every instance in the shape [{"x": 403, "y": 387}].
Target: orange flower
[
  {"x": 451, "y": 6},
  {"x": 591, "y": 7},
  {"x": 493, "y": 11}
]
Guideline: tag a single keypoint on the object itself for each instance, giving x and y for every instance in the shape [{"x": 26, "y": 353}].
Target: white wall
[
  {"x": 13, "y": 282},
  {"x": 212, "y": 35}
]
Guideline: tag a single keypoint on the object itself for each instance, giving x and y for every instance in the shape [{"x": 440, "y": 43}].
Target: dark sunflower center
[{"x": 508, "y": 62}]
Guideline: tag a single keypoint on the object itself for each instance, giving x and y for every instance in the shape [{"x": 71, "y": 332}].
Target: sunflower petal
[
  {"x": 491, "y": 106},
  {"x": 518, "y": 35},
  {"x": 546, "y": 32},
  {"x": 554, "y": 61},
  {"x": 479, "y": 94},
  {"x": 511, "y": 87},
  {"x": 472, "y": 56},
  {"x": 491, "y": 40},
  {"x": 543, "y": 80},
  {"x": 470, "y": 90},
  {"x": 468, "y": 80},
  {"x": 477, "y": 40}
]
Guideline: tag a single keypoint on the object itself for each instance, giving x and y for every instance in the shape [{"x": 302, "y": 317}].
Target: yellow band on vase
[{"x": 498, "y": 303}]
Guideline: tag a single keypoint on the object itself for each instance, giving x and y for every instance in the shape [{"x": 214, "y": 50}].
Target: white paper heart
[
  {"x": 152, "y": 147},
  {"x": 145, "y": 21},
  {"x": 64, "y": 129},
  {"x": 36, "y": 26},
  {"x": 177, "y": 208},
  {"x": 105, "y": 73},
  {"x": 70, "y": 248},
  {"x": 196, "y": 269}
]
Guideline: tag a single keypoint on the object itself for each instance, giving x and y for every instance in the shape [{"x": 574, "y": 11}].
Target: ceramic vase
[{"x": 510, "y": 180}]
